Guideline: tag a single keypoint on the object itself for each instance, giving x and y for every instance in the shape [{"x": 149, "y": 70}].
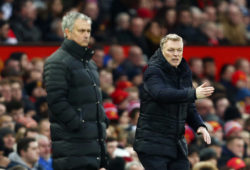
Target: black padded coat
[{"x": 77, "y": 117}]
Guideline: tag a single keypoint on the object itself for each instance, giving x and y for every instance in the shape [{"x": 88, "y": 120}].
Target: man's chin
[
  {"x": 84, "y": 44},
  {"x": 175, "y": 64}
]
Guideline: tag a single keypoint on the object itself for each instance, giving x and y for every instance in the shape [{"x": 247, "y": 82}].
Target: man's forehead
[
  {"x": 82, "y": 22},
  {"x": 33, "y": 144},
  {"x": 171, "y": 43}
]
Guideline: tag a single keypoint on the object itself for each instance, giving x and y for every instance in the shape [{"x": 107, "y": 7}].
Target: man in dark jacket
[
  {"x": 78, "y": 120},
  {"x": 23, "y": 21},
  {"x": 167, "y": 103},
  {"x": 234, "y": 147}
]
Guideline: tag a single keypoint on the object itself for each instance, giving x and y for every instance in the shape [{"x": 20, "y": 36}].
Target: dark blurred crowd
[
  {"x": 24, "y": 110},
  {"x": 24, "y": 124},
  {"x": 139, "y": 22}
]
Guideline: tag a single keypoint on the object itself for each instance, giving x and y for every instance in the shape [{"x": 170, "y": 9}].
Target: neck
[
  {"x": 29, "y": 164},
  {"x": 46, "y": 157}
]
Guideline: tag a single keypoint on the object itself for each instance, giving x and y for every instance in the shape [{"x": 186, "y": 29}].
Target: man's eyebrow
[{"x": 84, "y": 29}]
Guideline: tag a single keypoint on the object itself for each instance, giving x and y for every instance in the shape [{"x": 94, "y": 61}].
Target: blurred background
[{"x": 125, "y": 33}]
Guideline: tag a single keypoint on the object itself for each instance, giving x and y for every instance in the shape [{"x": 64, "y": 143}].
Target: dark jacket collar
[
  {"x": 159, "y": 60},
  {"x": 76, "y": 50},
  {"x": 226, "y": 151}
]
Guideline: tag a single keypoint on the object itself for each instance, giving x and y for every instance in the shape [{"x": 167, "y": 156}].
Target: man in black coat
[
  {"x": 167, "y": 103},
  {"x": 78, "y": 120}
]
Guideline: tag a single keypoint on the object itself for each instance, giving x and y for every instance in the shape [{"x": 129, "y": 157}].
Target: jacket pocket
[{"x": 81, "y": 114}]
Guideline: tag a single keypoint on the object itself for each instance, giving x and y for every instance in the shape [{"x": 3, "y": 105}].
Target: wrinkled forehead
[
  {"x": 173, "y": 44},
  {"x": 82, "y": 23}
]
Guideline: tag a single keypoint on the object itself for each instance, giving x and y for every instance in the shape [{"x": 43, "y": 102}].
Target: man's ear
[{"x": 67, "y": 32}]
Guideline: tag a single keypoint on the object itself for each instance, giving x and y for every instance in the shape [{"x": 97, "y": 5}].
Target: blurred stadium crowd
[{"x": 141, "y": 24}]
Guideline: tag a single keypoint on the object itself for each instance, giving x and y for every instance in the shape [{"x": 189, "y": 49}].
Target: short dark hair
[
  {"x": 110, "y": 139},
  {"x": 23, "y": 144},
  {"x": 2, "y": 23},
  {"x": 97, "y": 47},
  {"x": 133, "y": 112},
  {"x": 224, "y": 68},
  {"x": 14, "y": 105},
  {"x": 230, "y": 139},
  {"x": 18, "y": 5},
  {"x": 207, "y": 154},
  {"x": 193, "y": 149},
  {"x": 238, "y": 63},
  {"x": 16, "y": 56},
  {"x": 218, "y": 97},
  {"x": 5, "y": 82},
  {"x": 208, "y": 60},
  {"x": 16, "y": 80},
  {"x": 192, "y": 60},
  {"x": 183, "y": 8},
  {"x": 32, "y": 129},
  {"x": 231, "y": 113}
]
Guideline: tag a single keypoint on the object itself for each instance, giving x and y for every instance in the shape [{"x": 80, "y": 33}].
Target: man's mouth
[{"x": 175, "y": 60}]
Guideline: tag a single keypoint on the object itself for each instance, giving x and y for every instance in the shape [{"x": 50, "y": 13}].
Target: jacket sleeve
[
  {"x": 159, "y": 91},
  {"x": 56, "y": 83},
  {"x": 194, "y": 120}
]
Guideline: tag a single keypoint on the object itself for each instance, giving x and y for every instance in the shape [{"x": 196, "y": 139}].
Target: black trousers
[{"x": 155, "y": 162}]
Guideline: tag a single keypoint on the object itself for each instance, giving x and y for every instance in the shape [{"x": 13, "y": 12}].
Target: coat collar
[{"x": 76, "y": 50}]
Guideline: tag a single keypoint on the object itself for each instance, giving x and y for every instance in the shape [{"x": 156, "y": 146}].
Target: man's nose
[
  {"x": 176, "y": 53},
  {"x": 86, "y": 34}
]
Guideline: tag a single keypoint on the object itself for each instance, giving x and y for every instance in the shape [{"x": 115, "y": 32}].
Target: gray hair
[
  {"x": 120, "y": 16},
  {"x": 195, "y": 10},
  {"x": 43, "y": 137},
  {"x": 70, "y": 18},
  {"x": 172, "y": 37}
]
